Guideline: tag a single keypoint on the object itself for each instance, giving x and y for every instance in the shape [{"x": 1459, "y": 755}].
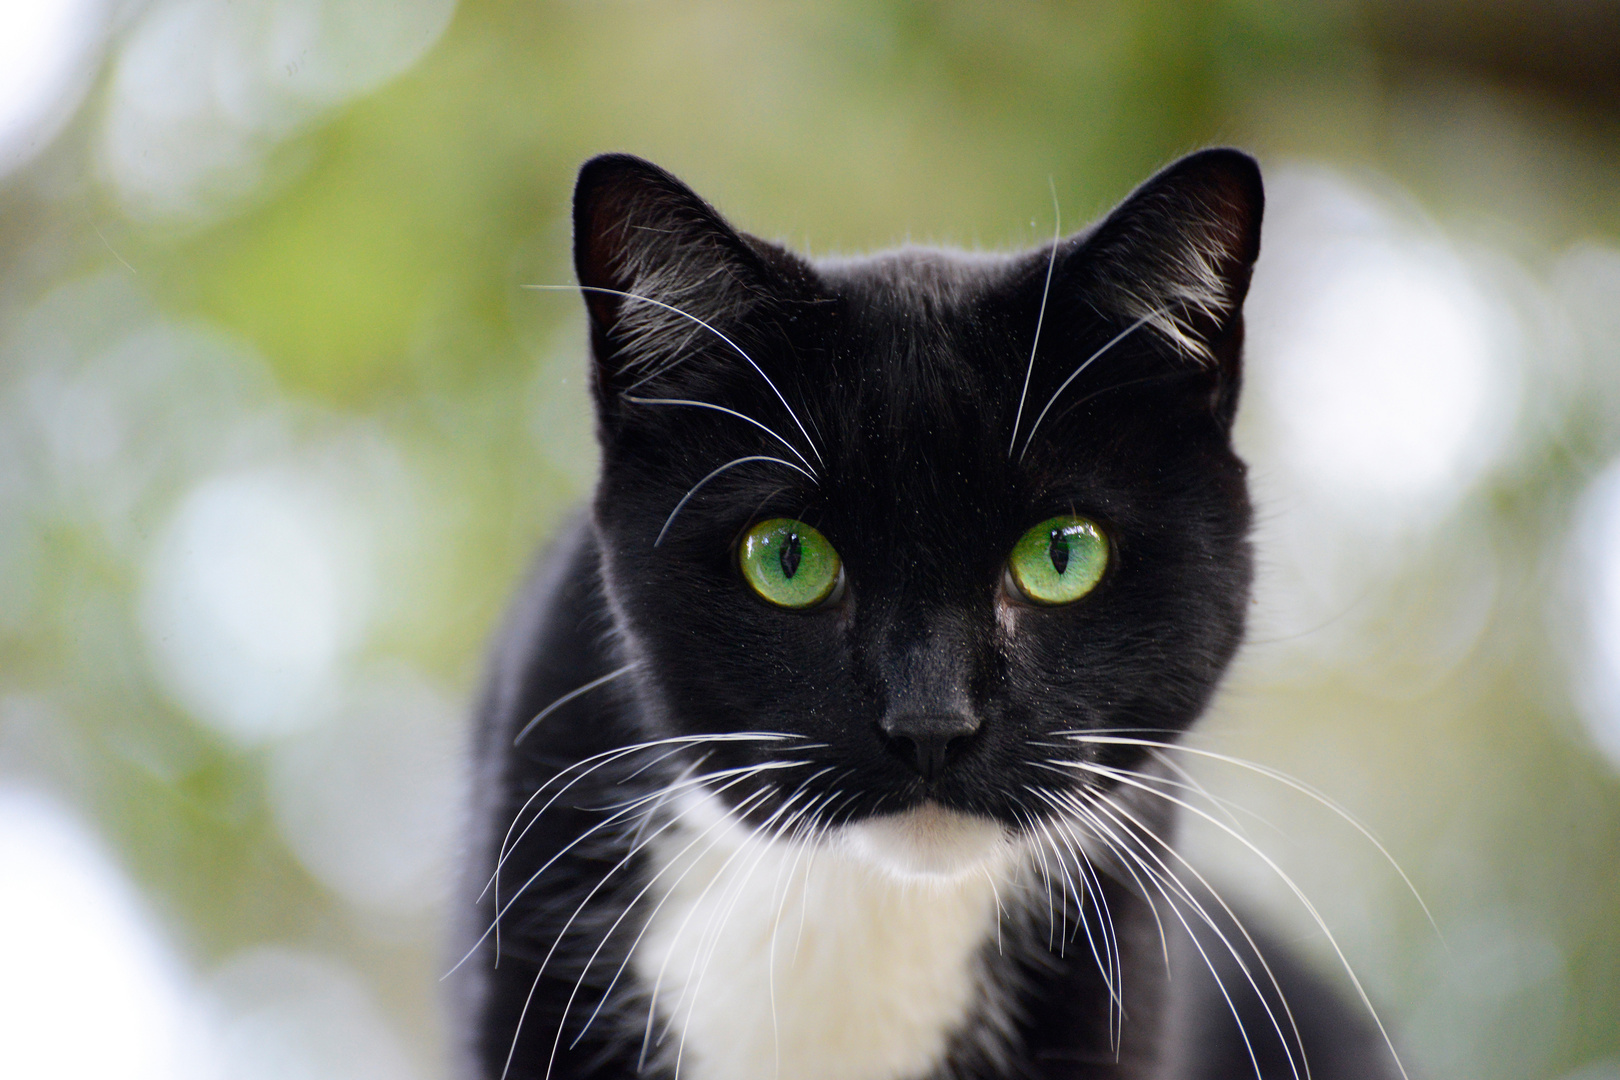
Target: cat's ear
[
  {"x": 663, "y": 274},
  {"x": 1177, "y": 254}
]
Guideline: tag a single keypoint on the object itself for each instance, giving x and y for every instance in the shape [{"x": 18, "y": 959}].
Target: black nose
[{"x": 927, "y": 741}]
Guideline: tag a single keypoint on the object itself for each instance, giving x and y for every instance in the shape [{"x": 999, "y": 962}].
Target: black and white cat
[{"x": 830, "y": 746}]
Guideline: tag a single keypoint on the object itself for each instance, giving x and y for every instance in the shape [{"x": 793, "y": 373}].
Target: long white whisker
[
  {"x": 1040, "y": 317},
  {"x": 1115, "y": 340},
  {"x": 728, "y": 903},
  {"x": 729, "y": 412},
  {"x": 739, "y": 773},
  {"x": 1001, "y": 912},
  {"x": 1189, "y": 782},
  {"x": 679, "y": 932},
  {"x": 634, "y": 945},
  {"x": 509, "y": 843},
  {"x": 733, "y": 776},
  {"x": 819, "y": 830},
  {"x": 1116, "y": 811},
  {"x": 1109, "y": 962},
  {"x": 1070, "y": 814},
  {"x": 561, "y": 934},
  {"x": 1220, "y": 985},
  {"x": 742, "y": 806},
  {"x": 687, "y": 315},
  {"x": 570, "y": 696},
  {"x": 730, "y": 464},
  {"x": 1026, "y": 822},
  {"x": 1111, "y": 969},
  {"x": 1299, "y": 894},
  {"x": 1086, "y": 809},
  {"x": 522, "y": 1015},
  {"x": 608, "y": 757},
  {"x": 1272, "y": 774}
]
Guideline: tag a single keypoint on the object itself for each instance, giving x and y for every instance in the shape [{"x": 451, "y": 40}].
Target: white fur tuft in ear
[
  {"x": 662, "y": 272},
  {"x": 1177, "y": 254},
  {"x": 1189, "y": 284},
  {"x": 678, "y": 289}
]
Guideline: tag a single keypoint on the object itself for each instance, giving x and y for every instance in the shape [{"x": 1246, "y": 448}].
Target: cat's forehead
[
  {"x": 920, "y": 343},
  {"x": 921, "y": 279}
]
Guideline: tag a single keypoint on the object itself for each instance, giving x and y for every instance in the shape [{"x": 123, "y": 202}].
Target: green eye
[
  {"x": 1059, "y": 560},
  {"x": 789, "y": 563}
]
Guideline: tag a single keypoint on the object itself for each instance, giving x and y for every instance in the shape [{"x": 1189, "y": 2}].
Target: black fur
[{"x": 895, "y": 387}]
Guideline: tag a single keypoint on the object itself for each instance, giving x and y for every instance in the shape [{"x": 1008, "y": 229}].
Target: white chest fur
[{"x": 855, "y": 960}]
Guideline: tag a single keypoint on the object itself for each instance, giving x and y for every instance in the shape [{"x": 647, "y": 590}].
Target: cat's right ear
[{"x": 664, "y": 276}]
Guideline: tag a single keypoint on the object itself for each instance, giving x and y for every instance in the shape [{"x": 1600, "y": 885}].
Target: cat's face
[{"x": 999, "y": 551}]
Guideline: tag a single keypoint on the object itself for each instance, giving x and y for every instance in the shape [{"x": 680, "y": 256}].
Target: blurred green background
[{"x": 280, "y": 428}]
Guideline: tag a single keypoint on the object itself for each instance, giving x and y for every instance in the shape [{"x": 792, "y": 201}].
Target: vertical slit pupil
[
  {"x": 1058, "y": 551},
  {"x": 791, "y": 553}
]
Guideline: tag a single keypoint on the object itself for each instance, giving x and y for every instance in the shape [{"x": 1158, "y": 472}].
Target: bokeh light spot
[
  {"x": 86, "y": 988},
  {"x": 1384, "y": 385},
  {"x": 254, "y": 596},
  {"x": 1596, "y": 580},
  {"x": 288, "y": 1015},
  {"x": 368, "y": 802},
  {"x": 45, "y": 49}
]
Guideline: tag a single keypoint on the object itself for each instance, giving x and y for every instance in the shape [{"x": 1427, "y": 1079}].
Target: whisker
[
  {"x": 687, "y": 315},
  {"x": 1271, "y": 774},
  {"x": 735, "y": 776},
  {"x": 1040, "y": 317},
  {"x": 602, "y": 680},
  {"x": 1115, "y": 340},
  {"x": 1299, "y": 894},
  {"x": 1116, "y": 811},
  {"x": 1110, "y": 968},
  {"x": 729, "y": 412},
  {"x": 631, "y": 951},
  {"x": 509, "y": 843},
  {"x": 1189, "y": 782},
  {"x": 1113, "y": 973},
  {"x": 713, "y": 933},
  {"x": 1129, "y": 860},
  {"x": 561, "y": 934},
  {"x": 522, "y": 1015},
  {"x": 679, "y": 932},
  {"x": 608, "y": 757},
  {"x": 1220, "y": 984},
  {"x": 1001, "y": 912},
  {"x": 1027, "y": 825},
  {"x": 730, "y": 464}
]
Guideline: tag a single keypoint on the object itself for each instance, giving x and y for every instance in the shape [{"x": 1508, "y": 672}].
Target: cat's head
[{"x": 927, "y": 514}]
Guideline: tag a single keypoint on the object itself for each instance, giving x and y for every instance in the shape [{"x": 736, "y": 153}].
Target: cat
[{"x": 832, "y": 742}]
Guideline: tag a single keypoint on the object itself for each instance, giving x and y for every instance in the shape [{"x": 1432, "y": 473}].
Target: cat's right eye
[{"x": 790, "y": 563}]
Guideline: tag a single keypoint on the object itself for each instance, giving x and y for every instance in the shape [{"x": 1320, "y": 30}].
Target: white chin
[{"x": 929, "y": 841}]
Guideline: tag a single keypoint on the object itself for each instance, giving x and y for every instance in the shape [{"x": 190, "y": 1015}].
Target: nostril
[
  {"x": 901, "y": 747},
  {"x": 928, "y": 743}
]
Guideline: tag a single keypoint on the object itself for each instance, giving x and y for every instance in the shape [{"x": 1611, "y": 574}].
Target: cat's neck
[
  {"x": 797, "y": 959},
  {"x": 813, "y": 959}
]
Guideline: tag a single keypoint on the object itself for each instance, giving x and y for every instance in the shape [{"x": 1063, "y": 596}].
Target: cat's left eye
[
  {"x": 790, "y": 563},
  {"x": 1058, "y": 561}
]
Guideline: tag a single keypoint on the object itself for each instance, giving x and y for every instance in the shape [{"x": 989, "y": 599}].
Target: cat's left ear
[{"x": 1177, "y": 256}]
